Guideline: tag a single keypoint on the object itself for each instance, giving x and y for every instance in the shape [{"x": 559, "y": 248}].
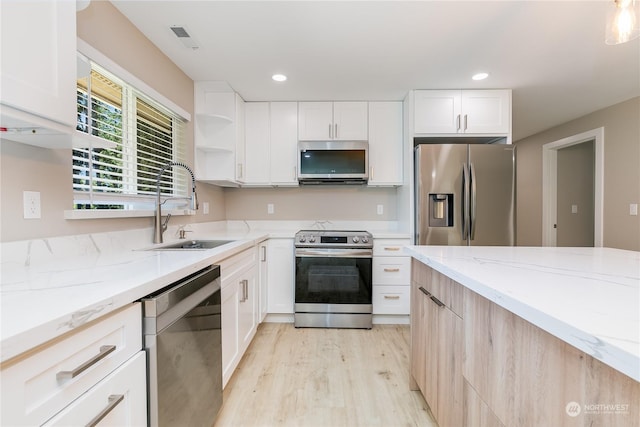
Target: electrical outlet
[
  {"x": 31, "y": 201},
  {"x": 205, "y": 208},
  {"x": 574, "y": 209},
  {"x": 633, "y": 209},
  {"x": 380, "y": 209},
  {"x": 270, "y": 208}
]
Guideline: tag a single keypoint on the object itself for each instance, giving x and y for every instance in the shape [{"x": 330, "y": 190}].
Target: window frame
[{"x": 136, "y": 204}]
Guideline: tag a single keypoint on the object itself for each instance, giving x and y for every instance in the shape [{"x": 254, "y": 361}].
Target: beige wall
[
  {"x": 621, "y": 124},
  {"x": 26, "y": 168},
  {"x": 346, "y": 203}
]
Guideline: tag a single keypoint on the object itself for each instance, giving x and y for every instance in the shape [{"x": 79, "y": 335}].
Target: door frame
[{"x": 550, "y": 184}]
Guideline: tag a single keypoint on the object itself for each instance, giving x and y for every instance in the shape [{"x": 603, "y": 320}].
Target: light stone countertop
[
  {"x": 587, "y": 297},
  {"x": 50, "y": 286}
]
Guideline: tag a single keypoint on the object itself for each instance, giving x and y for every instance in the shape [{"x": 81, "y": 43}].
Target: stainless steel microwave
[{"x": 333, "y": 162}]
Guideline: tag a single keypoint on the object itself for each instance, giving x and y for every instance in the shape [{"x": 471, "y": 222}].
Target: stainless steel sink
[{"x": 192, "y": 245}]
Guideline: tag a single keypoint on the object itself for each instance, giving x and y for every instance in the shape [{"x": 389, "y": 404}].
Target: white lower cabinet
[
  {"x": 37, "y": 387},
  {"x": 391, "y": 277},
  {"x": 118, "y": 400},
  {"x": 239, "y": 295},
  {"x": 281, "y": 276}
]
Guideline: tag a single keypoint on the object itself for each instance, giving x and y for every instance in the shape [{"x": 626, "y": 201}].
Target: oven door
[{"x": 333, "y": 276}]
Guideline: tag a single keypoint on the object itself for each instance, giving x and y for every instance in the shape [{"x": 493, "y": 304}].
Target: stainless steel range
[{"x": 333, "y": 279}]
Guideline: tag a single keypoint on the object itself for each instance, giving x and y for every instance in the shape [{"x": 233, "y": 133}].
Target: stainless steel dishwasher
[{"x": 182, "y": 338}]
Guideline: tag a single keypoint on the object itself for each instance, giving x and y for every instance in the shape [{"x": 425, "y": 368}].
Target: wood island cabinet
[
  {"x": 437, "y": 331},
  {"x": 480, "y": 365}
]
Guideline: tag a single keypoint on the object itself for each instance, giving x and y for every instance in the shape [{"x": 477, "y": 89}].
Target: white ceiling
[{"x": 551, "y": 53}]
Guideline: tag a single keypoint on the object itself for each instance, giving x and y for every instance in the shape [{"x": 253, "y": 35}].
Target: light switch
[
  {"x": 633, "y": 209},
  {"x": 205, "y": 208},
  {"x": 270, "y": 208}
]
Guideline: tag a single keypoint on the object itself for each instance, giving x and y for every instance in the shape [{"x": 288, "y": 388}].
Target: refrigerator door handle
[
  {"x": 472, "y": 207},
  {"x": 465, "y": 201}
]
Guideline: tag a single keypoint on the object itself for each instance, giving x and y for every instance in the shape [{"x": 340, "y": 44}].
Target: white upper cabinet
[
  {"x": 385, "y": 143},
  {"x": 323, "y": 121},
  {"x": 284, "y": 143},
  {"x": 486, "y": 112},
  {"x": 38, "y": 73},
  {"x": 271, "y": 130},
  {"x": 256, "y": 134},
  {"x": 219, "y": 134}
]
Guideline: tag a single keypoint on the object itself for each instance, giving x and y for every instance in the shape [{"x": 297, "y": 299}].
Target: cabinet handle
[
  {"x": 437, "y": 301},
  {"x": 465, "y": 122},
  {"x": 67, "y": 375},
  {"x": 113, "y": 400},
  {"x": 336, "y": 132},
  {"x": 330, "y": 135},
  {"x": 239, "y": 170},
  {"x": 245, "y": 290},
  {"x": 391, "y": 270},
  {"x": 458, "y": 122},
  {"x": 392, "y": 297},
  {"x": 371, "y": 173},
  {"x": 295, "y": 173},
  {"x": 392, "y": 248},
  {"x": 424, "y": 291},
  {"x": 263, "y": 256}
]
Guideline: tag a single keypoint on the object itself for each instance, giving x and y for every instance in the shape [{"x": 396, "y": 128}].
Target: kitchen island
[{"x": 528, "y": 335}]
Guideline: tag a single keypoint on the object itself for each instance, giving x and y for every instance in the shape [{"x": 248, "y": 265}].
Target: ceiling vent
[{"x": 184, "y": 37}]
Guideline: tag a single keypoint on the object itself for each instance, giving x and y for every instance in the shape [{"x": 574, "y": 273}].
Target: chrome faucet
[{"x": 159, "y": 226}]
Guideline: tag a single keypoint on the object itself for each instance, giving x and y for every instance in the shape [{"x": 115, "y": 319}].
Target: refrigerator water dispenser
[{"x": 441, "y": 210}]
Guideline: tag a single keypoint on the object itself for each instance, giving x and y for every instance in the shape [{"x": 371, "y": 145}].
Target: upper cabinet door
[
  {"x": 350, "y": 121},
  {"x": 385, "y": 143},
  {"x": 284, "y": 141},
  {"x": 486, "y": 111},
  {"x": 331, "y": 121},
  {"x": 480, "y": 112},
  {"x": 39, "y": 59},
  {"x": 315, "y": 121},
  {"x": 437, "y": 111},
  {"x": 256, "y": 134}
]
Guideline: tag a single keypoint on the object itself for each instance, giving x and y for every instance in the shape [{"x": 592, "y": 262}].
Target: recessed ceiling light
[
  {"x": 480, "y": 76},
  {"x": 279, "y": 77}
]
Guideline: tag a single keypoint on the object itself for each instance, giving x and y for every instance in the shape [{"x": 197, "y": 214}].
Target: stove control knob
[
  {"x": 365, "y": 239},
  {"x": 355, "y": 239},
  {"x": 312, "y": 239},
  {"x": 303, "y": 239}
]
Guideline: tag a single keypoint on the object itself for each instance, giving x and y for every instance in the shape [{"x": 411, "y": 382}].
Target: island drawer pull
[
  {"x": 67, "y": 375},
  {"x": 437, "y": 301},
  {"x": 391, "y": 270},
  {"x": 392, "y": 297},
  {"x": 391, "y": 248},
  {"x": 424, "y": 291},
  {"x": 113, "y": 400}
]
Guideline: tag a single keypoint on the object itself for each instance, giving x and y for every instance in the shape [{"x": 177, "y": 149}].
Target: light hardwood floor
[{"x": 324, "y": 377}]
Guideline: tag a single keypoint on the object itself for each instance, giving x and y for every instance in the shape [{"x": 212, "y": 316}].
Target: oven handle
[{"x": 333, "y": 253}]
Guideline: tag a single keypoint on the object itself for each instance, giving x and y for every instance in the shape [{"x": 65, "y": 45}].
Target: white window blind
[{"x": 140, "y": 136}]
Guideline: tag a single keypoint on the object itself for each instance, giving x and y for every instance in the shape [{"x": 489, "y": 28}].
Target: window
[{"x": 139, "y": 136}]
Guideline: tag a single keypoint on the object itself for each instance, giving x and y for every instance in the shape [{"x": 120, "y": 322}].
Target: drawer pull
[
  {"x": 113, "y": 400},
  {"x": 392, "y": 248},
  {"x": 424, "y": 291},
  {"x": 437, "y": 301},
  {"x": 391, "y": 270},
  {"x": 67, "y": 375},
  {"x": 392, "y": 297}
]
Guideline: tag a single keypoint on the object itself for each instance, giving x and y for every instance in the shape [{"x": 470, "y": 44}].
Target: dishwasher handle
[{"x": 163, "y": 308}]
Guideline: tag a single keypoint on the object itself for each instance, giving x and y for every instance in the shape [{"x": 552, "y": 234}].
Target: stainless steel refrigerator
[{"x": 465, "y": 194}]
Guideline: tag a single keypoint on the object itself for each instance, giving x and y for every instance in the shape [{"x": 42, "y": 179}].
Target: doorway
[{"x": 572, "y": 190}]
